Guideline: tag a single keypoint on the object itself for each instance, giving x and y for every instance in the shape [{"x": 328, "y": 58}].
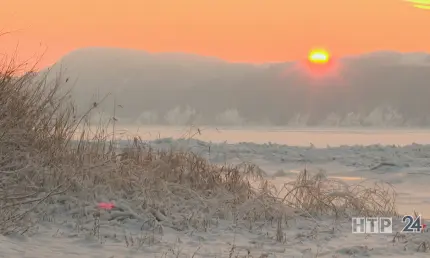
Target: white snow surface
[{"x": 406, "y": 167}]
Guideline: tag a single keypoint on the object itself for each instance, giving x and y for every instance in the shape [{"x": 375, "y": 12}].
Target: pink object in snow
[{"x": 106, "y": 205}]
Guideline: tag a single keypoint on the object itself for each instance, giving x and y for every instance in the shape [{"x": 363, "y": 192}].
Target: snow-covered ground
[{"x": 406, "y": 167}]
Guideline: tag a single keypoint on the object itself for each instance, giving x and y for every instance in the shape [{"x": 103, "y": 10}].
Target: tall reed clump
[{"x": 35, "y": 129}]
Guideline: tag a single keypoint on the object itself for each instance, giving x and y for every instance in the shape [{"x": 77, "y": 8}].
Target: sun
[
  {"x": 321, "y": 64},
  {"x": 319, "y": 56}
]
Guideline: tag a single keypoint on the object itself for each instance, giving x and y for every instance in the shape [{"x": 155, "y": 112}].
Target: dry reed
[{"x": 318, "y": 194}]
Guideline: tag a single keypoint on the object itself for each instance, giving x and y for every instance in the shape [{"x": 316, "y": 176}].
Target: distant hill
[{"x": 376, "y": 89}]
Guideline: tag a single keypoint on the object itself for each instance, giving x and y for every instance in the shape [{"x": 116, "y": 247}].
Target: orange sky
[{"x": 235, "y": 30}]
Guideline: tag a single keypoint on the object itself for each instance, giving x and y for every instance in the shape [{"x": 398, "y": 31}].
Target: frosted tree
[
  {"x": 230, "y": 117},
  {"x": 332, "y": 119},
  {"x": 392, "y": 117},
  {"x": 384, "y": 116},
  {"x": 299, "y": 120},
  {"x": 375, "y": 118},
  {"x": 351, "y": 119},
  {"x": 178, "y": 117}
]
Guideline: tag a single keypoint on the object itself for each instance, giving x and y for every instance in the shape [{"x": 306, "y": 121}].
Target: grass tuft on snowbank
[{"x": 318, "y": 194}]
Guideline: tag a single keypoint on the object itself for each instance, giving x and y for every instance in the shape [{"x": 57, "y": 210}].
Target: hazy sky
[{"x": 235, "y": 30}]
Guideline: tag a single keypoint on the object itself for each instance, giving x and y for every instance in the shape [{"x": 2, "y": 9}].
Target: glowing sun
[{"x": 319, "y": 56}]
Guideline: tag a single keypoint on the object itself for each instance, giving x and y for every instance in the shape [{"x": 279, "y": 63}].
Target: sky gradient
[{"x": 234, "y": 30}]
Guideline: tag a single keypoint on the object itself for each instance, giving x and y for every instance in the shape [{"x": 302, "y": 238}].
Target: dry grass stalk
[{"x": 318, "y": 194}]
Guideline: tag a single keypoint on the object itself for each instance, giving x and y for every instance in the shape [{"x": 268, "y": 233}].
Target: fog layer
[{"x": 377, "y": 89}]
